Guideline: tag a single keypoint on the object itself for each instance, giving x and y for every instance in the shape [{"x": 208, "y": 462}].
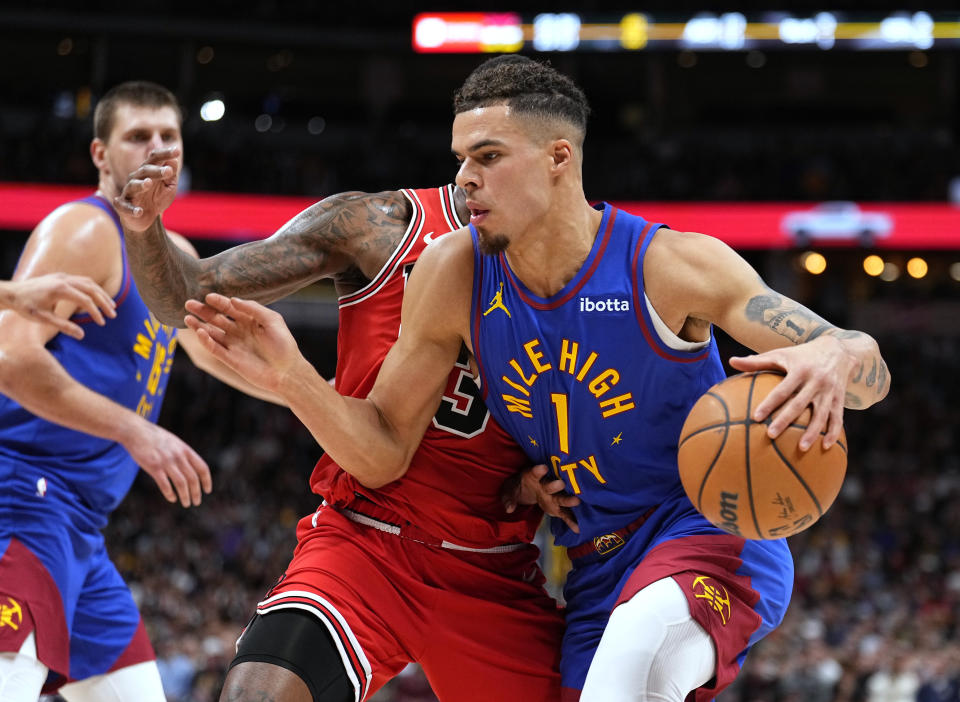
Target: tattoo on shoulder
[{"x": 786, "y": 317}]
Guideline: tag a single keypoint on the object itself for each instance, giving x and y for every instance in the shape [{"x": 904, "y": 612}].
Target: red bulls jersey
[{"x": 452, "y": 486}]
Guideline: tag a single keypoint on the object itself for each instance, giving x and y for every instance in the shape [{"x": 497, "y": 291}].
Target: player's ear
[
  {"x": 98, "y": 153},
  {"x": 562, "y": 153}
]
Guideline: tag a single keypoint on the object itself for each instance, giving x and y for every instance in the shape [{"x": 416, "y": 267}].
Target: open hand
[
  {"x": 36, "y": 298},
  {"x": 246, "y": 336},
  {"x": 817, "y": 373}
]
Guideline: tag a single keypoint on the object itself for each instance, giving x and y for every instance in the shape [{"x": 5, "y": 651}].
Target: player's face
[
  {"x": 504, "y": 172},
  {"x": 136, "y": 132}
]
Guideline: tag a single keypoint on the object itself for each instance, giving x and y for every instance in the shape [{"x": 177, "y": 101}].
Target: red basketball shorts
[{"x": 480, "y": 624}]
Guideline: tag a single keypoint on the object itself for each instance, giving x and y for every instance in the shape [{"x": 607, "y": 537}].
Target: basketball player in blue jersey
[
  {"x": 37, "y": 298},
  {"x": 77, "y": 418},
  {"x": 591, "y": 333}
]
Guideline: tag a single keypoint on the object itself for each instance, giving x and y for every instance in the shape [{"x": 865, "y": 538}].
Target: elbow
[{"x": 381, "y": 475}]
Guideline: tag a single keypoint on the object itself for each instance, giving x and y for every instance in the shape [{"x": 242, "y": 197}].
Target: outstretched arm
[
  {"x": 372, "y": 438},
  {"x": 343, "y": 233},
  {"x": 37, "y": 299},
  {"x": 78, "y": 243},
  {"x": 692, "y": 280}
]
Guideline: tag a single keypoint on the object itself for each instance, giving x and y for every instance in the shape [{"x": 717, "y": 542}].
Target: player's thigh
[
  {"x": 651, "y": 649},
  {"x": 21, "y": 674},
  {"x": 289, "y": 656},
  {"x": 505, "y": 649},
  {"x": 106, "y": 625},
  {"x": 140, "y": 682}
]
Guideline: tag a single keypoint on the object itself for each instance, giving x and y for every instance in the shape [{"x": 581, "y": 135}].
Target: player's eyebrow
[{"x": 479, "y": 145}]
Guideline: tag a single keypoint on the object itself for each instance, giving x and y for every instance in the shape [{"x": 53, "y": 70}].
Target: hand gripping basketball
[{"x": 746, "y": 483}]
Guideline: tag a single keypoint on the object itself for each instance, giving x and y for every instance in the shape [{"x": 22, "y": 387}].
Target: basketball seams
[
  {"x": 717, "y": 457},
  {"x": 723, "y": 443},
  {"x": 746, "y": 457},
  {"x": 799, "y": 478}
]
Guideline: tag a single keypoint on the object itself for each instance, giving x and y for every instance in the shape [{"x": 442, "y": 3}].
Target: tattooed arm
[
  {"x": 693, "y": 281},
  {"x": 349, "y": 236}
]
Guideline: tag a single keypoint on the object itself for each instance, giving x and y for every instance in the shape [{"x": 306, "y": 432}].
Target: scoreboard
[{"x": 480, "y": 32}]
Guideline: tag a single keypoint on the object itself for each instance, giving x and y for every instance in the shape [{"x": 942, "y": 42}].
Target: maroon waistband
[{"x": 606, "y": 543}]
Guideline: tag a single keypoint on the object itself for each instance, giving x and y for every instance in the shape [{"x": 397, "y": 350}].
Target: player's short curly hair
[
  {"x": 526, "y": 86},
  {"x": 141, "y": 93}
]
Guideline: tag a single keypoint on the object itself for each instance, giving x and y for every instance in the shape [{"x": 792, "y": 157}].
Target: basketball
[{"x": 742, "y": 481}]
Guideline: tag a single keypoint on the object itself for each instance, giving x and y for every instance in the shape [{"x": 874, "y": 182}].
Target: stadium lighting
[
  {"x": 917, "y": 267},
  {"x": 891, "y": 271},
  {"x": 814, "y": 263},
  {"x": 212, "y": 110},
  {"x": 873, "y": 265}
]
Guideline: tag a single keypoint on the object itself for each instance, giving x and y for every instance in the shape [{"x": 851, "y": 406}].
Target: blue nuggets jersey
[
  {"x": 127, "y": 360},
  {"x": 583, "y": 381}
]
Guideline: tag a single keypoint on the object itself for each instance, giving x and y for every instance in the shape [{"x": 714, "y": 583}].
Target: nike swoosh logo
[{"x": 428, "y": 238}]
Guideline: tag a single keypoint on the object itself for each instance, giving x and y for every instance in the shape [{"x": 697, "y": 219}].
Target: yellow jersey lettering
[
  {"x": 144, "y": 407},
  {"x": 590, "y": 464},
  {"x": 569, "y": 469},
  {"x": 515, "y": 386},
  {"x": 586, "y": 366},
  {"x": 555, "y": 462},
  {"x": 153, "y": 382},
  {"x": 598, "y": 387},
  {"x": 143, "y": 347},
  {"x": 518, "y": 404},
  {"x": 616, "y": 405},
  {"x": 568, "y": 356},
  {"x": 535, "y": 356},
  {"x": 151, "y": 330},
  {"x": 525, "y": 379}
]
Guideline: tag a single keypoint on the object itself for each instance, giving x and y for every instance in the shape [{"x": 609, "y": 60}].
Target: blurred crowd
[
  {"x": 876, "y": 610},
  {"x": 744, "y": 162}
]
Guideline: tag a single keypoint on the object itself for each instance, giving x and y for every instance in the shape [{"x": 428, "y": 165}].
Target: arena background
[{"x": 321, "y": 99}]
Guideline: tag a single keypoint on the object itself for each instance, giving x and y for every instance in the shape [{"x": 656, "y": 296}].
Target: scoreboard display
[{"x": 501, "y": 32}]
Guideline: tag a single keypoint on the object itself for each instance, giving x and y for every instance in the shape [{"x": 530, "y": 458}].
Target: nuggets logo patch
[
  {"x": 11, "y": 615},
  {"x": 715, "y": 594},
  {"x": 607, "y": 543}
]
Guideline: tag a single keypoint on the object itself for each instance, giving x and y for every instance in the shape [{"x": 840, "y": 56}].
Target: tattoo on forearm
[
  {"x": 859, "y": 374},
  {"x": 882, "y": 382},
  {"x": 852, "y": 401},
  {"x": 334, "y": 235},
  {"x": 872, "y": 377},
  {"x": 787, "y": 318}
]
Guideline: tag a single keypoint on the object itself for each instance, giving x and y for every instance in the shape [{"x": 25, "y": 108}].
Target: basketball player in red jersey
[{"x": 428, "y": 568}]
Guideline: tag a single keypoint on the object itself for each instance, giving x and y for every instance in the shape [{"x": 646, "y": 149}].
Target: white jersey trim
[
  {"x": 393, "y": 261},
  {"x": 320, "y": 612},
  {"x": 456, "y": 223},
  {"x": 667, "y": 336}
]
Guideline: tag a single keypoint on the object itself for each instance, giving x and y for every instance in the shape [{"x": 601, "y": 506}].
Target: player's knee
[
  {"x": 140, "y": 681},
  {"x": 21, "y": 677},
  {"x": 651, "y": 650},
  {"x": 287, "y": 655}
]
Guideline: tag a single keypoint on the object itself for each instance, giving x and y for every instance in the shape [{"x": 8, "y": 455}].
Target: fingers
[
  {"x": 64, "y": 326},
  {"x": 570, "y": 520},
  {"x": 90, "y": 298},
  {"x": 754, "y": 362},
  {"x": 189, "y": 477},
  {"x": 780, "y": 394}
]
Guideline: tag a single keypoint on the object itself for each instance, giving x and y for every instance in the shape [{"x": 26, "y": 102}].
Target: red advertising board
[{"x": 743, "y": 225}]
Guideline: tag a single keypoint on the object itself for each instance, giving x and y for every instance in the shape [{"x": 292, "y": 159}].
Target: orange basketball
[{"x": 746, "y": 483}]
